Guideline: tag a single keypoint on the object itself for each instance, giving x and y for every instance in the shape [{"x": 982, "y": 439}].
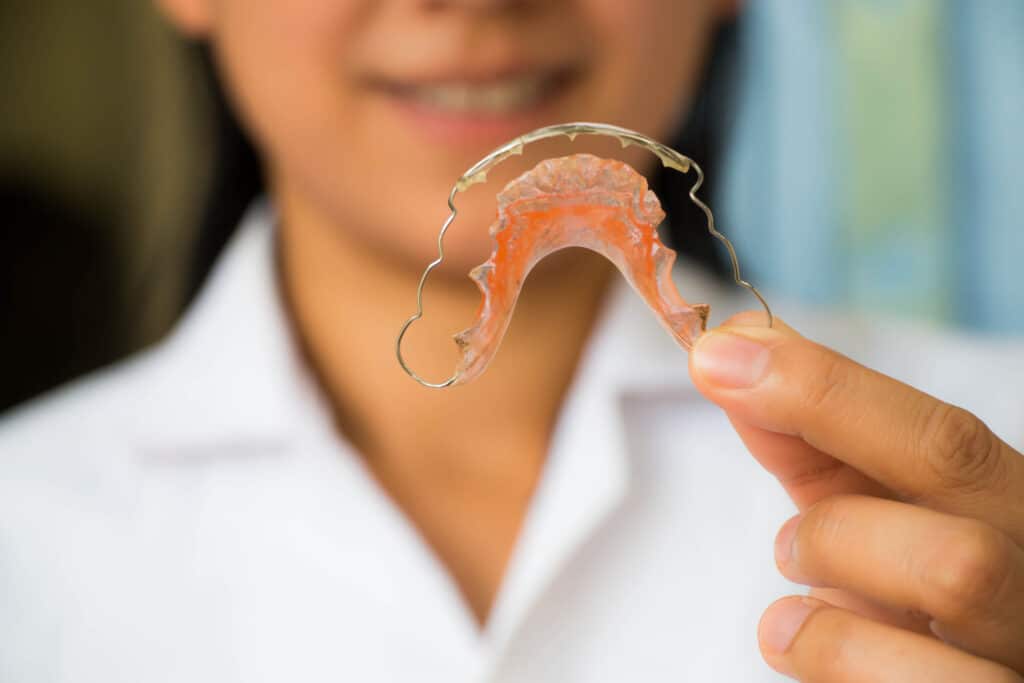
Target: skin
[
  {"x": 911, "y": 524},
  {"x": 883, "y": 474}
]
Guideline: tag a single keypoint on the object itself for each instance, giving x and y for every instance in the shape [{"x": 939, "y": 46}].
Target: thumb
[{"x": 735, "y": 355}]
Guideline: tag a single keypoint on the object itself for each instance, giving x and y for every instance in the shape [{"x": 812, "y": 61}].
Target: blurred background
[
  {"x": 876, "y": 161},
  {"x": 868, "y": 159}
]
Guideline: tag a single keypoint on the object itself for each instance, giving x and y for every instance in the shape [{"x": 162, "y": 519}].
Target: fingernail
[
  {"x": 784, "y": 541},
  {"x": 730, "y": 360},
  {"x": 783, "y": 621}
]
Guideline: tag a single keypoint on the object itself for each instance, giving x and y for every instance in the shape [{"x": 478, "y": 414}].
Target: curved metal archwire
[
  {"x": 736, "y": 276},
  {"x": 669, "y": 157},
  {"x": 419, "y": 298}
]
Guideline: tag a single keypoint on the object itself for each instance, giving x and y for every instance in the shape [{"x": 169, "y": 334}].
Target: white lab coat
[{"x": 191, "y": 515}]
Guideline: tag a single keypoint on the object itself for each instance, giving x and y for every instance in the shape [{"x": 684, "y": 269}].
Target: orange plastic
[{"x": 574, "y": 201}]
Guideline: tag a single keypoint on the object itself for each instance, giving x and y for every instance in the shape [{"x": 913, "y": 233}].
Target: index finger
[{"x": 920, "y": 448}]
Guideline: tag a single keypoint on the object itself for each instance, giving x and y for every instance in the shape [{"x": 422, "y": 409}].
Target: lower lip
[{"x": 475, "y": 128}]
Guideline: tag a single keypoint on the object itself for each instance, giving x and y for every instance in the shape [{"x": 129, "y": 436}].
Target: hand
[{"x": 911, "y": 524}]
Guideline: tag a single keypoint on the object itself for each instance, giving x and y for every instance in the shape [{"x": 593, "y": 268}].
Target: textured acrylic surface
[{"x": 582, "y": 201}]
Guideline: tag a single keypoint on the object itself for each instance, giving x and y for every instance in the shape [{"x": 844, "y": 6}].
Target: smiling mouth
[{"x": 494, "y": 97}]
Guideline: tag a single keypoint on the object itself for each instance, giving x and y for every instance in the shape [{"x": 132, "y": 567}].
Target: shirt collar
[
  {"x": 231, "y": 374},
  {"x": 231, "y": 379}
]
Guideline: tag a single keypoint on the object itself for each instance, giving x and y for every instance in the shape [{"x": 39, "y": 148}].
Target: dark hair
[
  {"x": 701, "y": 138},
  {"x": 238, "y": 176}
]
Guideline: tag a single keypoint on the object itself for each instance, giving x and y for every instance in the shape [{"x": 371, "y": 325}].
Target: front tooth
[
  {"x": 521, "y": 92},
  {"x": 492, "y": 98}
]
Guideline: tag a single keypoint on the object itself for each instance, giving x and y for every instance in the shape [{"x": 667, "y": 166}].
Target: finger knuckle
[
  {"x": 971, "y": 572},
  {"x": 819, "y": 473},
  {"x": 824, "y": 525},
  {"x": 830, "y": 381},
  {"x": 960, "y": 450}
]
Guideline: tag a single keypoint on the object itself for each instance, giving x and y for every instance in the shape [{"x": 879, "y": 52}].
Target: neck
[{"x": 348, "y": 302}]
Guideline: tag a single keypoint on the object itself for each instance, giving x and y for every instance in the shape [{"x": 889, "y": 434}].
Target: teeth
[{"x": 497, "y": 97}]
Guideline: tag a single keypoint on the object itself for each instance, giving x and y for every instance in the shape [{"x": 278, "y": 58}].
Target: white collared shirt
[{"x": 192, "y": 515}]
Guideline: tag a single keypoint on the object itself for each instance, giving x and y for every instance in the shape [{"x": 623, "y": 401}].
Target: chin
[
  {"x": 467, "y": 242},
  {"x": 459, "y": 258}
]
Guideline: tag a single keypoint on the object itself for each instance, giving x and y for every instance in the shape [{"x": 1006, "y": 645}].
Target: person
[{"x": 266, "y": 496}]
